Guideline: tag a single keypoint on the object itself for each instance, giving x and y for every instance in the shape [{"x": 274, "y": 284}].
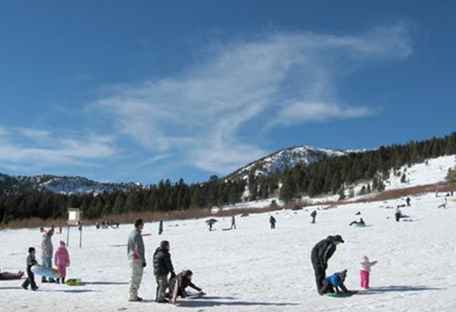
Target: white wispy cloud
[
  {"x": 319, "y": 111},
  {"x": 37, "y": 149},
  {"x": 284, "y": 78}
]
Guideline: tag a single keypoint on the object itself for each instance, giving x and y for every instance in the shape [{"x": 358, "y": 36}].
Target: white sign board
[{"x": 74, "y": 216}]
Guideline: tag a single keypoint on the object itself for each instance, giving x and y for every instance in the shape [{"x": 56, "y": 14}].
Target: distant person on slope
[
  {"x": 136, "y": 256},
  {"x": 233, "y": 223},
  {"x": 320, "y": 255},
  {"x": 358, "y": 223},
  {"x": 314, "y": 216},
  {"x": 398, "y": 215},
  {"x": 365, "y": 271},
  {"x": 162, "y": 268},
  {"x": 272, "y": 222},
  {"x": 47, "y": 251},
  {"x": 160, "y": 227}
]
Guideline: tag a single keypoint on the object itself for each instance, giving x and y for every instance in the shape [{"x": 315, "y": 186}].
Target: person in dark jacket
[
  {"x": 160, "y": 227},
  {"x": 31, "y": 261},
  {"x": 162, "y": 268},
  {"x": 233, "y": 223},
  {"x": 320, "y": 255},
  {"x": 313, "y": 215},
  {"x": 272, "y": 222},
  {"x": 182, "y": 281}
]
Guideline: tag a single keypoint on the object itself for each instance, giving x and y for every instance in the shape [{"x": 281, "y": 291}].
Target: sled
[
  {"x": 196, "y": 296},
  {"x": 6, "y": 276},
  {"x": 342, "y": 294},
  {"x": 45, "y": 272},
  {"x": 73, "y": 282}
]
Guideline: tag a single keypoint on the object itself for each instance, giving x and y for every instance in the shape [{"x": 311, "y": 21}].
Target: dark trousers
[
  {"x": 320, "y": 274},
  {"x": 30, "y": 280}
]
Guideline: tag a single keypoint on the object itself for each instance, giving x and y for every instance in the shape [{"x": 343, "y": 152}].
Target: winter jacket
[
  {"x": 162, "y": 262},
  {"x": 335, "y": 280},
  {"x": 322, "y": 251},
  {"x": 366, "y": 264},
  {"x": 135, "y": 246},
  {"x": 47, "y": 249},
  {"x": 31, "y": 261},
  {"x": 62, "y": 257},
  {"x": 183, "y": 282}
]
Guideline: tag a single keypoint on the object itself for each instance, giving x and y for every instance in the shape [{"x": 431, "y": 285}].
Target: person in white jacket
[
  {"x": 136, "y": 256},
  {"x": 365, "y": 271}
]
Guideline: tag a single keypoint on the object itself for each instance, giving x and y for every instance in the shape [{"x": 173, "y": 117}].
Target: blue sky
[{"x": 145, "y": 90}]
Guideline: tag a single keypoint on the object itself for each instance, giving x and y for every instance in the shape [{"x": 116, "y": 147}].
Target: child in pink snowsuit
[
  {"x": 62, "y": 261},
  {"x": 365, "y": 271}
]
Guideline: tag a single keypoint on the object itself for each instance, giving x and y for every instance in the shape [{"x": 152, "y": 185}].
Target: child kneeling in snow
[
  {"x": 365, "y": 271},
  {"x": 335, "y": 283},
  {"x": 62, "y": 261},
  {"x": 182, "y": 281}
]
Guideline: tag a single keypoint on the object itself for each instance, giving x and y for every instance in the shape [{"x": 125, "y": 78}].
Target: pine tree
[{"x": 451, "y": 177}]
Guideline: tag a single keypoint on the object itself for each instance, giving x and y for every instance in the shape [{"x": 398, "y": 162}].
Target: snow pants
[
  {"x": 364, "y": 277},
  {"x": 137, "y": 271},
  {"x": 162, "y": 286}
]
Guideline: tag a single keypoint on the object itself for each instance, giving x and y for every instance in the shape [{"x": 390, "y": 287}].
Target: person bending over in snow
[
  {"x": 320, "y": 255},
  {"x": 182, "y": 281},
  {"x": 365, "y": 271},
  {"x": 335, "y": 283}
]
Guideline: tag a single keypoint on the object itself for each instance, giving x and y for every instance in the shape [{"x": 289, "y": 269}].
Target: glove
[
  {"x": 173, "y": 275},
  {"x": 144, "y": 264}
]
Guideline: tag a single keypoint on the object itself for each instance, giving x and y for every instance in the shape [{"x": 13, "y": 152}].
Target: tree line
[{"x": 331, "y": 175}]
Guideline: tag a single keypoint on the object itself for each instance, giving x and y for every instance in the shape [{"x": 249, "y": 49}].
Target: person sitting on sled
[
  {"x": 358, "y": 223},
  {"x": 182, "y": 281},
  {"x": 335, "y": 283}
]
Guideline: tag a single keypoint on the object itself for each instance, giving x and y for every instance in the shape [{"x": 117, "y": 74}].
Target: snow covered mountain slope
[
  {"x": 256, "y": 269},
  {"x": 69, "y": 185},
  {"x": 289, "y": 157}
]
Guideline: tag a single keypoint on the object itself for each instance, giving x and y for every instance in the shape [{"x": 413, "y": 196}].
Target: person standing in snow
[
  {"x": 160, "y": 227},
  {"x": 47, "y": 251},
  {"x": 233, "y": 223},
  {"x": 407, "y": 201},
  {"x": 162, "y": 268},
  {"x": 398, "y": 215},
  {"x": 365, "y": 271},
  {"x": 136, "y": 256},
  {"x": 320, "y": 255},
  {"x": 31, "y": 261},
  {"x": 314, "y": 216},
  {"x": 62, "y": 261},
  {"x": 272, "y": 222}
]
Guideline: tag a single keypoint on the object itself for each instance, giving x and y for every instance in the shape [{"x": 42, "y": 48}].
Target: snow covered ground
[{"x": 257, "y": 269}]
